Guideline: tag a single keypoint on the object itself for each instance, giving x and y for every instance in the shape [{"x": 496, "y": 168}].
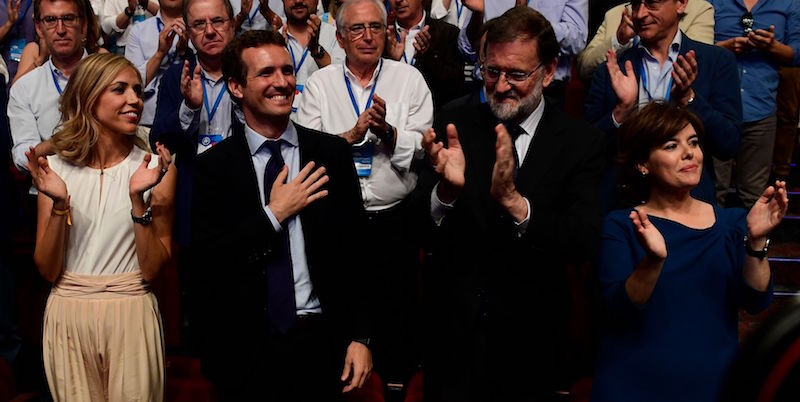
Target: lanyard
[
  {"x": 350, "y": 90},
  {"x": 647, "y": 90},
  {"x": 413, "y": 58},
  {"x": 250, "y": 17},
  {"x": 159, "y": 24},
  {"x": 211, "y": 111},
  {"x": 55, "y": 79},
  {"x": 302, "y": 59},
  {"x": 459, "y": 9}
]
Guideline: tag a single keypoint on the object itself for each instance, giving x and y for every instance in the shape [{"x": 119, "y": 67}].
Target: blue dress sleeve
[
  {"x": 619, "y": 255},
  {"x": 747, "y": 298}
]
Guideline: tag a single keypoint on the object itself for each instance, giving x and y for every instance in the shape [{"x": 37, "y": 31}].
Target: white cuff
[{"x": 438, "y": 207}]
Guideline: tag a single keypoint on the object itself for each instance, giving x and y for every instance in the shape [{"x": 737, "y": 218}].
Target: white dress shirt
[
  {"x": 33, "y": 108},
  {"x": 220, "y": 123},
  {"x": 456, "y": 15},
  {"x": 304, "y": 64},
  {"x": 306, "y": 301},
  {"x": 326, "y": 106},
  {"x": 409, "y": 52},
  {"x": 111, "y": 10},
  {"x": 142, "y": 45}
]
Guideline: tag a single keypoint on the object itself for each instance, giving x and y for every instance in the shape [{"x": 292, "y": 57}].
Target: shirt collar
[
  {"x": 57, "y": 71},
  {"x": 207, "y": 77},
  {"x": 532, "y": 121},
  {"x": 256, "y": 140},
  {"x": 353, "y": 77},
  {"x": 674, "y": 47},
  {"x": 418, "y": 26}
]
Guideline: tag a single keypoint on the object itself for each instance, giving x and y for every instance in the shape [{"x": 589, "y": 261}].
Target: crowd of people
[{"x": 359, "y": 185}]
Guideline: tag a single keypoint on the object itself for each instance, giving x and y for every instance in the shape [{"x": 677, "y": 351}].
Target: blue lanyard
[
  {"x": 211, "y": 111},
  {"x": 350, "y": 90},
  {"x": 250, "y": 17},
  {"x": 483, "y": 95},
  {"x": 55, "y": 80},
  {"x": 302, "y": 59},
  {"x": 404, "y": 49},
  {"x": 159, "y": 24},
  {"x": 459, "y": 9},
  {"x": 647, "y": 90}
]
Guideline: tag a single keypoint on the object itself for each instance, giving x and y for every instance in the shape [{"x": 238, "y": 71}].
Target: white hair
[{"x": 341, "y": 24}]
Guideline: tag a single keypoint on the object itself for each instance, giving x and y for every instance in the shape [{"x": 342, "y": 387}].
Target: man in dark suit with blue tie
[
  {"x": 666, "y": 65},
  {"x": 275, "y": 225}
]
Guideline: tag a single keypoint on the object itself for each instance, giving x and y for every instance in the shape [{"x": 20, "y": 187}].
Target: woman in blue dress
[{"x": 674, "y": 270}]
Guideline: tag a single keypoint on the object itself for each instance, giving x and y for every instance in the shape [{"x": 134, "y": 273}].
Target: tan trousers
[{"x": 103, "y": 339}]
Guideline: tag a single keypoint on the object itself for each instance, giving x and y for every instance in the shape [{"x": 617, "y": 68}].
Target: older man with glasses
[
  {"x": 667, "y": 65},
  {"x": 381, "y": 107}
]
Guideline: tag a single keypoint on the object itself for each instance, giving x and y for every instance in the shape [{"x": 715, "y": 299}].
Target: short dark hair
[
  {"x": 187, "y": 3},
  {"x": 646, "y": 129},
  {"x": 86, "y": 12},
  {"x": 232, "y": 66},
  {"x": 525, "y": 23}
]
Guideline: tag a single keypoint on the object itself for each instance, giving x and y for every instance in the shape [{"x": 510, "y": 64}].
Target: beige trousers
[{"x": 103, "y": 339}]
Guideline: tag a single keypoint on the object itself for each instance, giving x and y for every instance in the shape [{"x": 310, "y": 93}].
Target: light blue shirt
[
  {"x": 568, "y": 18},
  {"x": 758, "y": 72},
  {"x": 657, "y": 77},
  {"x": 306, "y": 300},
  {"x": 221, "y": 121},
  {"x": 142, "y": 45}
]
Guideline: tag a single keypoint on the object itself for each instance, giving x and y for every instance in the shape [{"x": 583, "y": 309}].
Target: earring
[{"x": 643, "y": 173}]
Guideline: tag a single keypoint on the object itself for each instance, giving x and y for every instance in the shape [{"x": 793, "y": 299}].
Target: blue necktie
[{"x": 280, "y": 280}]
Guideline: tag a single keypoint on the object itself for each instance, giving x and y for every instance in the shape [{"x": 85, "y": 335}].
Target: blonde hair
[{"x": 78, "y": 131}]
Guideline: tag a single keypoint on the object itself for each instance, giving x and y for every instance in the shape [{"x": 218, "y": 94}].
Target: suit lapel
[{"x": 243, "y": 162}]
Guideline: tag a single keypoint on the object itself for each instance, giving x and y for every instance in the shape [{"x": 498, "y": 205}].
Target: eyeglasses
[
  {"x": 747, "y": 22},
  {"x": 199, "y": 26},
  {"x": 358, "y": 30},
  {"x": 491, "y": 75},
  {"x": 68, "y": 20},
  {"x": 648, "y": 4}
]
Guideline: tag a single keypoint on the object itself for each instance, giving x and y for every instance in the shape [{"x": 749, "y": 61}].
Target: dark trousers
[
  {"x": 302, "y": 365},
  {"x": 393, "y": 240},
  {"x": 788, "y": 115}
]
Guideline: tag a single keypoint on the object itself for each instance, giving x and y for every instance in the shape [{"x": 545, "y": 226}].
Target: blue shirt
[
  {"x": 305, "y": 299},
  {"x": 657, "y": 77},
  {"x": 142, "y": 45},
  {"x": 758, "y": 72}
]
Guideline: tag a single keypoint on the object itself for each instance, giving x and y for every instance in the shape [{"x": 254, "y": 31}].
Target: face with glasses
[
  {"x": 210, "y": 29},
  {"x": 364, "y": 36},
  {"x": 655, "y": 20},
  {"x": 514, "y": 78},
  {"x": 61, "y": 27}
]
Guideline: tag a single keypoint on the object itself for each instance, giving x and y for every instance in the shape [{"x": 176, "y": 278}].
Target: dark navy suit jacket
[{"x": 717, "y": 103}]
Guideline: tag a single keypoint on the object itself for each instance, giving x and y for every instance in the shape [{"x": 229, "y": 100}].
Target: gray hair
[{"x": 341, "y": 24}]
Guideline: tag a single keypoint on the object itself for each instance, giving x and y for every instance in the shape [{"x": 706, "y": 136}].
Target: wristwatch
[
  {"x": 129, "y": 13},
  {"x": 145, "y": 219},
  {"x": 364, "y": 341},
  {"x": 760, "y": 254},
  {"x": 318, "y": 52},
  {"x": 388, "y": 135}
]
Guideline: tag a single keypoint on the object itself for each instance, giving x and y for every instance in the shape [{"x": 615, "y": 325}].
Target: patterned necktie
[{"x": 280, "y": 280}]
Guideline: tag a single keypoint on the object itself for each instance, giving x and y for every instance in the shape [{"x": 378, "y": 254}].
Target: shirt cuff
[
  {"x": 523, "y": 226},
  {"x": 438, "y": 207},
  {"x": 186, "y": 115},
  {"x": 613, "y": 120},
  {"x": 620, "y": 46},
  {"x": 275, "y": 224}
]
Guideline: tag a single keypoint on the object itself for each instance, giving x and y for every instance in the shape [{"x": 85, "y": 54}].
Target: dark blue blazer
[
  {"x": 717, "y": 103},
  {"x": 168, "y": 131}
]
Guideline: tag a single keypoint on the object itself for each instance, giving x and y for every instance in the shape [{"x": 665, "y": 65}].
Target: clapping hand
[
  {"x": 377, "y": 115},
  {"x": 13, "y": 11},
  {"x": 684, "y": 72},
  {"x": 625, "y": 30},
  {"x": 274, "y": 20},
  {"x": 167, "y": 35},
  {"x": 422, "y": 42},
  {"x": 191, "y": 86},
  {"x": 396, "y": 47},
  {"x": 624, "y": 85},
  {"x": 145, "y": 178},
  {"x": 648, "y": 235},
  {"x": 767, "y": 212},
  {"x": 46, "y": 180},
  {"x": 448, "y": 163}
]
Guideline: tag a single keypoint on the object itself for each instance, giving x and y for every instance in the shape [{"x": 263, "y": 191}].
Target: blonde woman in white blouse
[{"x": 104, "y": 232}]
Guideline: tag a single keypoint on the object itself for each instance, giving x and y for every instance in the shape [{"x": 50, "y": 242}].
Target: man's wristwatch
[
  {"x": 388, "y": 135},
  {"x": 145, "y": 219},
  {"x": 760, "y": 254},
  {"x": 129, "y": 14},
  {"x": 364, "y": 341},
  {"x": 318, "y": 52}
]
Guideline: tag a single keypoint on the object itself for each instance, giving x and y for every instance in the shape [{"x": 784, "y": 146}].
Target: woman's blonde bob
[{"x": 79, "y": 129}]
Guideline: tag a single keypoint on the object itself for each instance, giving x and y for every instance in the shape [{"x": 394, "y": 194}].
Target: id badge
[
  {"x": 206, "y": 141},
  {"x": 362, "y": 158},
  {"x": 15, "y": 50},
  {"x": 297, "y": 92}
]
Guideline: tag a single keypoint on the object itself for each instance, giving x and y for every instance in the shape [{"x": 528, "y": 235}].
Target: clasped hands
[
  {"x": 372, "y": 119},
  {"x": 397, "y": 47},
  {"x": 449, "y": 164}
]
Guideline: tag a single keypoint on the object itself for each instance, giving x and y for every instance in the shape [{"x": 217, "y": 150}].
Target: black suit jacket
[
  {"x": 442, "y": 65},
  {"x": 499, "y": 300},
  {"x": 233, "y": 241}
]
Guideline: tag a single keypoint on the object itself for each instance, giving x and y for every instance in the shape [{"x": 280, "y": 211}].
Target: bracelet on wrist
[{"x": 63, "y": 212}]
